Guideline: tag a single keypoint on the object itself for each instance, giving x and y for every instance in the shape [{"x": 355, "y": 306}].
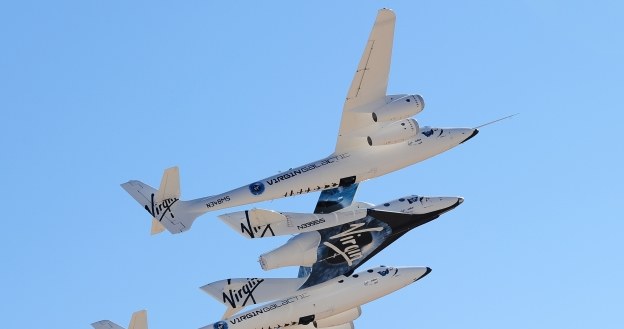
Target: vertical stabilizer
[
  {"x": 164, "y": 205},
  {"x": 138, "y": 321}
]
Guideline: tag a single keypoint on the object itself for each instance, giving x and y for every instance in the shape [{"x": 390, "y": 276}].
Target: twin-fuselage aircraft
[{"x": 377, "y": 135}]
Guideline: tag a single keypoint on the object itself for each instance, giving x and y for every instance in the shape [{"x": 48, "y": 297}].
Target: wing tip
[{"x": 386, "y": 12}]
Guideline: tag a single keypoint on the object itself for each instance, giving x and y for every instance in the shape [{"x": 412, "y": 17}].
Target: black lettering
[{"x": 161, "y": 209}]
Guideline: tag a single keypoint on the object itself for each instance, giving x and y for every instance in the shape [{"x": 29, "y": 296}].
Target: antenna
[{"x": 497, "y": 120}]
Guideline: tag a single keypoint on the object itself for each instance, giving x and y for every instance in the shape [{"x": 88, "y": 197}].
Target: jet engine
[
  {"x": 402, "y": 108},
  {"x": 338, "y": 319},
  {"x": 300, "y": 250},
  {"x": 395, "y": 132}
]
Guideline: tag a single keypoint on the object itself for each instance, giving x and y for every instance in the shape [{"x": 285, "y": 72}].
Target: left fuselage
[{"x": 338, "y": 169}]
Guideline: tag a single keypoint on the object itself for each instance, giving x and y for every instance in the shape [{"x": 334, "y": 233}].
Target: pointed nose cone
[
  {"x": 415, "y": 273},
  {"x": 470, "y": 134},
  {"x": 438, "y": 204}
]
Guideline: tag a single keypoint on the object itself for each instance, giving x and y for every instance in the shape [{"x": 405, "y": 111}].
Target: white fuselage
[
  {"x": 326, "y": 299},
  {"x": 353, "y": 166}
]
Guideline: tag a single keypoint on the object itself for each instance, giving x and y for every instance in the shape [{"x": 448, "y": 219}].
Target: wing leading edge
[{"x": 369, "y": 85}]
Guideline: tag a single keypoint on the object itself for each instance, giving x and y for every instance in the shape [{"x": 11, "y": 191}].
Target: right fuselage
[{"x": 325, "y": 300}]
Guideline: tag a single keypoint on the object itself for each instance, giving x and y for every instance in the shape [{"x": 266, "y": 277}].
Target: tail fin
[
  {"x": 138, "y": 321},
  {"x": 164, "y": 204},
  {"x": 235, "y": 294}
]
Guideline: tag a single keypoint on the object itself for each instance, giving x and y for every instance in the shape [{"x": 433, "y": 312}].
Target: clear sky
[{"x": 93, "y": 93}]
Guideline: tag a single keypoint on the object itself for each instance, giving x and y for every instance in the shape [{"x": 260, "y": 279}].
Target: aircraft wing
[
  {"x": 370, "y": 82},
  {"x": 367, "y": 237}
]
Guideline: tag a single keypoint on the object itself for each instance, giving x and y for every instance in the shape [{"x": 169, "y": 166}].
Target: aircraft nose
[
  {"x": 470, "y": 133},
  {"x": 415, "y": 273},
  {"x": 441, "y": 203}
]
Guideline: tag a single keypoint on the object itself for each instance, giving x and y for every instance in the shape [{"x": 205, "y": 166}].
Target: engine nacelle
[
  {"x": 339, "y": 319},
  {"x": 402, "y": 108},
  {"x": 395, "y": 132},
  {"x": 300, "y": 250}
]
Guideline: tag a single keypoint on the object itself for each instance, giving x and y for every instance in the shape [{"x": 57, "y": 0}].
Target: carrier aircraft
[{"x": 377, "y": 135}]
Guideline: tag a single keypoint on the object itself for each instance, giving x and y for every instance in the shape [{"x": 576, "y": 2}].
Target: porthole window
[{"x": 355, "y": 275}]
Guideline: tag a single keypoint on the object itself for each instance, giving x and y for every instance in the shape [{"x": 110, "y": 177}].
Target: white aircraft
[
  {"x": 377, "y": 136},
  {"x": 332, "y": 304},
  {"x": 138, "y": 321}
]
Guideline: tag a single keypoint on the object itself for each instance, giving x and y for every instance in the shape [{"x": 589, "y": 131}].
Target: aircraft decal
[
  {"x": 160, "y": 210},
  {"x": 311, "y": 223},
  {"x": 256, "y": 188},
  {"x": 220, "y": 325},
  {"x": 218, "y": 201},
  {"x": 349, "y": 242},
  {"x": 239, "y": 297},
  {"x": 267, "y": 308},
  {"x": 345, "y": 247},
  {"x": 252, "y": 231},
  {"x": 306, "y": 168}
]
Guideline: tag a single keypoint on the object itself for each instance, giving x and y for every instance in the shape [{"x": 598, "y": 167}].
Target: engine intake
[
  {"x": 402, "y": 108},
  {"x": 300, "y": 250},
  {"x": 339, "y": 319},
  {"x": 395, "y": 132}
]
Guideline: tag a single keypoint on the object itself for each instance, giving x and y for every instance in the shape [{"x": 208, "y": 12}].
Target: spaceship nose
[{"x": 416, "y": 273}]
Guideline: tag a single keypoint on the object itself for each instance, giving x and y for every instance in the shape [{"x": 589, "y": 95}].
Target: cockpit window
[{"x": 427, "y": 132}]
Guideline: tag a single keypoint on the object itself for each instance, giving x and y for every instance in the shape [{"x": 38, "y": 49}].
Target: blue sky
[{"x": 94, "y": 93}]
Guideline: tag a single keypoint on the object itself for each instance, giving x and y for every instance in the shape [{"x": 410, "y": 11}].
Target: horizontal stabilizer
[
  {"x": 235, "y": 294},
  {"x": 260, "y": 223},
  {"x": 106, "y": 324},
  {"x": 260, "y": 217}
]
